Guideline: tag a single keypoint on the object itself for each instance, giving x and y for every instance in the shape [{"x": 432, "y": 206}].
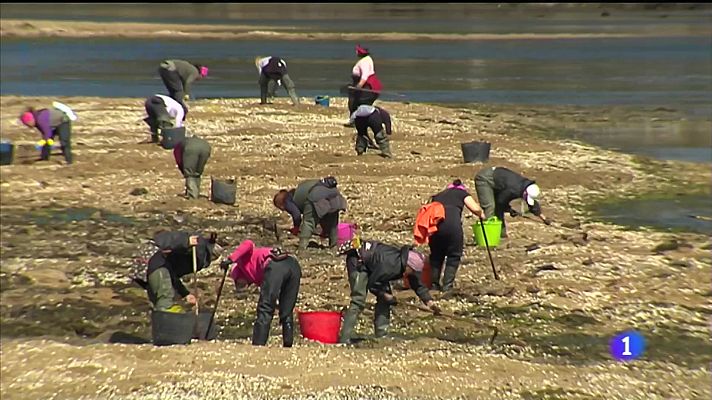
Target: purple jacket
[{"x": 47, "y": 119}]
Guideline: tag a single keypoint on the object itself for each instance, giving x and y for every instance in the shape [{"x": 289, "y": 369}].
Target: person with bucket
[
  {"x": 446, "y": 239},
  {"x": 191, "y": 155},
  {"x": 178, "y": 77},
  {"x": 371, "y": 266},
  {"x": 273, "y": 73},
  {"x": 374, "y": 117},
  {"x": 366, "y": 87},
  {"x": 497, "y": 186},
  {"x": 163, "y": 113},
  {"x": 312, "y": 202},
  {"x": 52, "y": 122},
  {"x": 173, "y": 258},
  {"x": 279, "y": 275}
]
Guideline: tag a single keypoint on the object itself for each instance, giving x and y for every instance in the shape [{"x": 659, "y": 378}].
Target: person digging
[
  {"x": 191, "y": 154},
  {"x": 312, "y": 202},
  {"x": 496, "y": 187},
  {"x": 370, "y": 266},
  {"x": 279, "y": 275},
  {"x": 172, "y": 260},
  {"x": 374, "y": 117},
  {"x": 273, "y": 73}
]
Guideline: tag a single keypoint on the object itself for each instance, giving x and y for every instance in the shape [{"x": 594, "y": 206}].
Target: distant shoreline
[{"x": 25, "y": 28}]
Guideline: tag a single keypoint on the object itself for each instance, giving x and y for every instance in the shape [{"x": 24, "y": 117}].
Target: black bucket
[
  {"x": 7, "y": 151},
  {"x": 475, "y": 151},
  {"x": 223, "y": 191},
  {"x": 201, "y": 328},
  {"x": 171, "y": 137},
  {"x": 169, "y": 328}
]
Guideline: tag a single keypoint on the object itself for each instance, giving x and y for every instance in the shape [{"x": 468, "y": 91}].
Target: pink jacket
[{"x": 250, "y": 262}]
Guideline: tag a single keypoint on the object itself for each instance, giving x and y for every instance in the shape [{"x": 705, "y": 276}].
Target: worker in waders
[
  {"x": 278, "y": 275},
  {"x": 191, "y": 155},
  {"x": 363, "y": 76},
  {"x": 172, "y": 260},
  {"x": 163, "y": 113},
  {"x": 370, "y": 266},
  {"x": 374, "y": 117},
  {"x": 273, "y": 73},
  {"x": 497, "y": 186},
  {"x": 447, "y": 242},
  {"x": 52, "y": 122},
  {"x": 312, "y": 202},
  {"x": 178, "y": 77}
]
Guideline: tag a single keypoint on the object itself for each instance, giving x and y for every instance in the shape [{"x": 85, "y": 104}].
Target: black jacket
[
  {"x": 275, "y": 68},
  {"x": 179, "y": 261},
  {"x": 384, "y": 263},
  {"x": 509, "y": 185}
]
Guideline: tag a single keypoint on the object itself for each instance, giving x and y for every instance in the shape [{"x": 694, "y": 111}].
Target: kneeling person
[
  {"x": 371, "y": 266},
  {"x": 278, "y": 275}
]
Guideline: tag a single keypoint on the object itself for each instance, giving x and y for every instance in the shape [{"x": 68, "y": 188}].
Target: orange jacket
[{"x": 427, "y": 220}]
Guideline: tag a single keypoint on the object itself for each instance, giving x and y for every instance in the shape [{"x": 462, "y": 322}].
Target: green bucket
[{"x": 493, "y": 228}]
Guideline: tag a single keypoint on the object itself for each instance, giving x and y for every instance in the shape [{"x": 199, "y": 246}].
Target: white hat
[{"x": 532, "y": 193}]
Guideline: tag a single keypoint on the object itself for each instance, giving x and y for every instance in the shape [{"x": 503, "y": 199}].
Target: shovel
[
  {"x": 489, "y": 252},
  {"x": 452, "y": 317},
  {"x": 217, "y": 301}
]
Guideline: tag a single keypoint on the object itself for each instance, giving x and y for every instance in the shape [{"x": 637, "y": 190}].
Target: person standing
[
  {"x": 178, "y": 77},
  {"x": 51, "y": 122},
  {"x": 374, "y": 117},
  {"x": 273, "y": 73},
  {"x": 371, "y": 266},
  {"x": 316, "y": 201},
  {"x": 191, "y": 155},
  {"x": 278, "y": 275},
  {"x": 367, "y": 86},
  {"x": 497, "y": 186},
  {"x": 163, "y": 113},
  {"x": 447, "y": 243}
]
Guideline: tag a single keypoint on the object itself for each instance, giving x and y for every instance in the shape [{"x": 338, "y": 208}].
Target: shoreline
[{"x": 27, "y": 28}]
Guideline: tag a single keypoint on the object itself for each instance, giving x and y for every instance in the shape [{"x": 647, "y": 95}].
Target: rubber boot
[
  {"x": 192, "y": 186},
  {"x": 260, "y": 334},
  {"x": 449, "y": 277},
  {"x": 361, "y": 144},
  {"x": 45, "y": 152},
  {"x": 288, "y": 334},
  {"x": 347, "y": 328},
  {"x": 435, "y": 276},
  {"x": 383, "y": 144}
]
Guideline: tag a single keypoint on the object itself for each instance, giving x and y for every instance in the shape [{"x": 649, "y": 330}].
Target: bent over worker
[
  {"x": 497, "y": 186},
  {"x": 52, "y": 122},
  {"x": 174, "y": 259},
  {"x": 374, "y": 117},
  {"x": 278, "y": 275},
  {"x": 312, "y": 202},
  {"x": 191, "y": 155},
  {"x": 178, "y": 77},
  {"x": 163, "y": 113},
  {"x": 371, "y": 266},
  {"x": 273, "y": 73}
]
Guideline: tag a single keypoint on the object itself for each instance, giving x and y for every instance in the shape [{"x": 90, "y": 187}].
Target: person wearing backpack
[
  {"x": 371, "y": 266},
  {"x": 173, "y": 259},
  {"x": 191, "y": 155},
  {"x": 279, "y": 275},
  {"x": 312, "y": 202}
]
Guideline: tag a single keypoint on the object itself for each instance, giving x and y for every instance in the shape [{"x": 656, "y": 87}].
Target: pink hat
[
  {"x": 203, "y": 72},
  {"x": 27, "y": 118},
  {"x": 361, "y": 51}
]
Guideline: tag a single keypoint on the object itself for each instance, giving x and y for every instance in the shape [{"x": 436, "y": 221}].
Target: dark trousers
[
  {"x": 281, "y": 282},
  {"x": 358, "y": 281},
  {"x": 158, "y": 117},
  {"x": 195, "y": 155},
  {"x": 375, "y": 122},
  {"x": 446, "y": 247},
  {"x": 64, "y": 131},
  {"x": 174, "y": 85},
  {"x": 329, "y": 223},
  {"x": 359, "y": 97},
  {"x": 484, "y": 185}
]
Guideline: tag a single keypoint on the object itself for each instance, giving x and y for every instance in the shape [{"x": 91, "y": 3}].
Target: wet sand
[
  {"x": 65, "y": 292},
  {"x": 15, "y": 28}
]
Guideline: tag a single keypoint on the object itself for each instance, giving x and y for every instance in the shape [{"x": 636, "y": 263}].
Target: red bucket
[{"x": 322, "y": 326}]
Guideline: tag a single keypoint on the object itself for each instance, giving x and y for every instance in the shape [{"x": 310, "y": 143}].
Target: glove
[
  {"x": 225, "y": 264},
  {"x": 186, "y": 97},
  {"x": 547, "y": 221},
  {"x": 513, "y": 213},
  {"x": 294, "y": 231}
]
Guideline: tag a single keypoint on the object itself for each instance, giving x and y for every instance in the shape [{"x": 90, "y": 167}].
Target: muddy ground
[{"x": 68, "y": 233}]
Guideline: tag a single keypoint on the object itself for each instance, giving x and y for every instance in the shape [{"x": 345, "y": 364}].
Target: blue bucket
[
  {"x": 322, "y": 101},
  {"x": 7, "y": 150}
]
